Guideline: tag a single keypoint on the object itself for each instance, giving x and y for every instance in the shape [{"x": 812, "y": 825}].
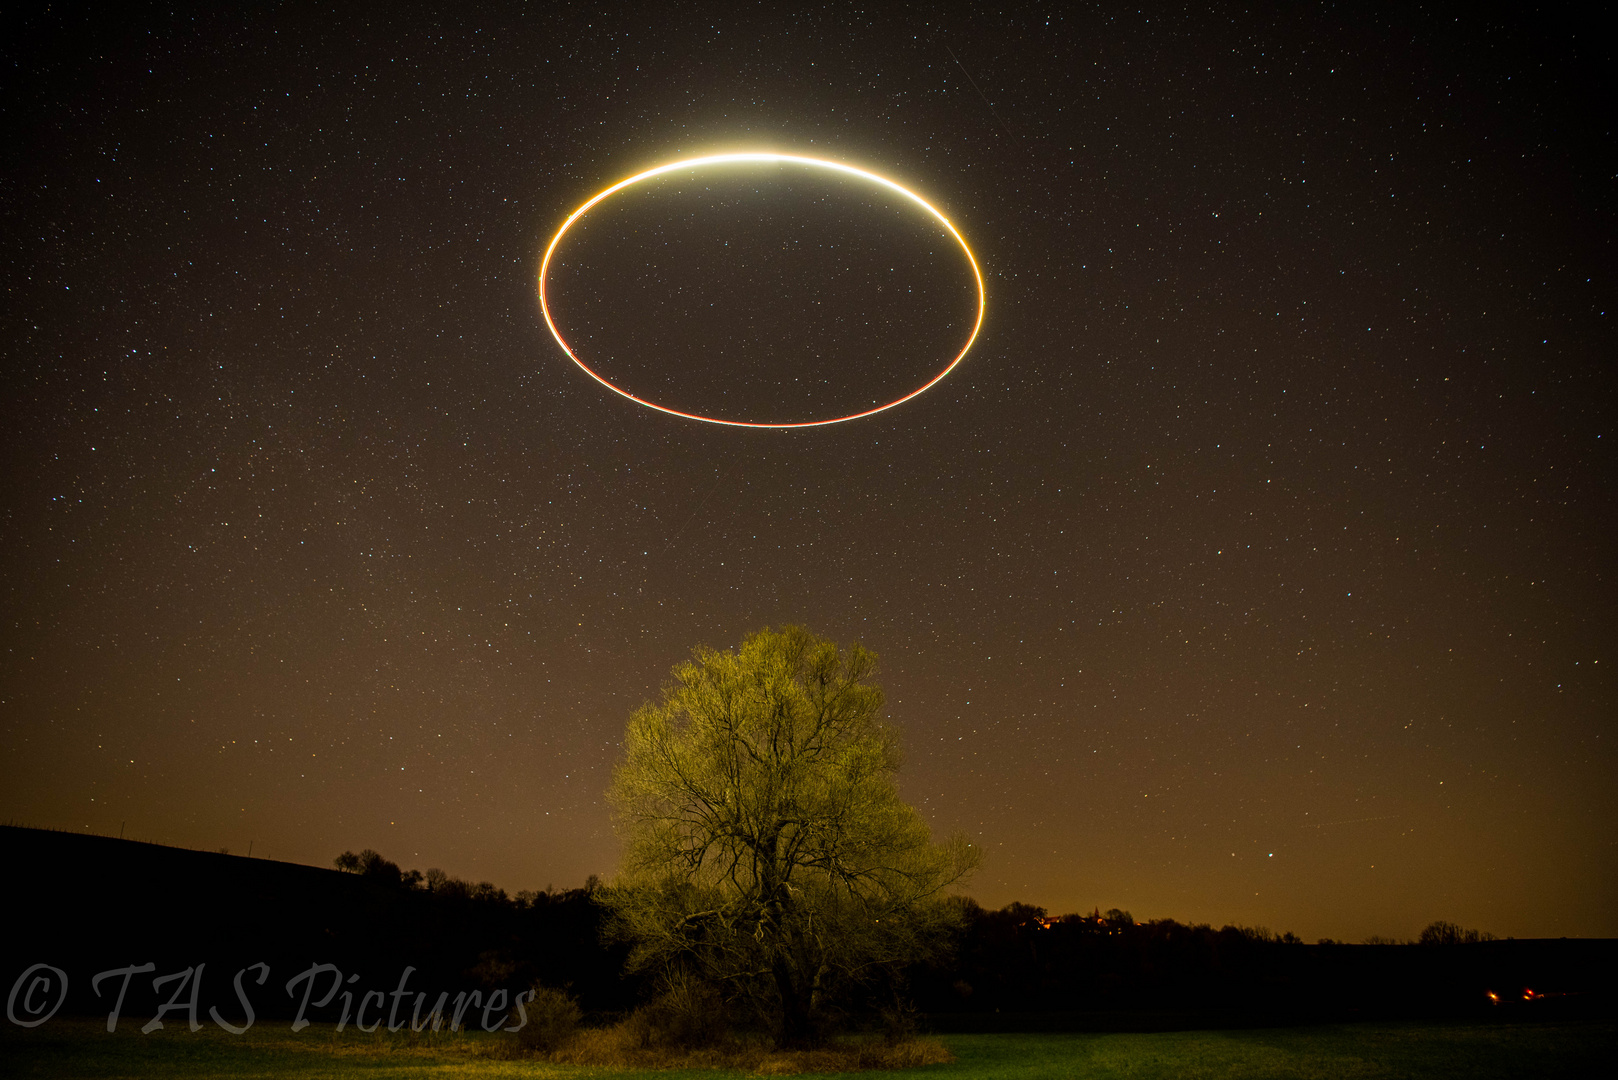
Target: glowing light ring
[{"x": 720, "y": 159}]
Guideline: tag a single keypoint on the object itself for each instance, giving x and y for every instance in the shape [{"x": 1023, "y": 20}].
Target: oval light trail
[{"x": 728, "y": 159}]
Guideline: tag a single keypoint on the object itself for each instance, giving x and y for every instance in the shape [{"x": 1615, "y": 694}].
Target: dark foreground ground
[{"x": 1365, "y": 1051}]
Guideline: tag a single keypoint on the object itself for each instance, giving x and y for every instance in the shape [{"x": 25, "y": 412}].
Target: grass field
[{"x": 65, "y": 1048}]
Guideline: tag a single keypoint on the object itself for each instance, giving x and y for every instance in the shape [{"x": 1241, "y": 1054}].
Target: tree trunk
[{"x": 798, "y": 1029}]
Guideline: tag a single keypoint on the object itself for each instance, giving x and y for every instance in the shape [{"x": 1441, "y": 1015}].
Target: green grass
[
  {"x": 65, "y": 1048},
  {"x": 1336, "y": 1052}
]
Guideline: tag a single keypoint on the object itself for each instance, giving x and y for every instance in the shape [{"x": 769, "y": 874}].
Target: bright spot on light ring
[{"x": 727, "y": 159}]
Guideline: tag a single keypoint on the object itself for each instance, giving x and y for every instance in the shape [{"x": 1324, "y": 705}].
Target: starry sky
[{"x": 1254, "y": 566}]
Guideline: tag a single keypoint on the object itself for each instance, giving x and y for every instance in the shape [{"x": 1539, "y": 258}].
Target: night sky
[{"x": 1254, "y": 566}]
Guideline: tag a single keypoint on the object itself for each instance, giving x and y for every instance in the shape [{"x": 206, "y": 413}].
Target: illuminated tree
[{"x": 766, "y": 847}]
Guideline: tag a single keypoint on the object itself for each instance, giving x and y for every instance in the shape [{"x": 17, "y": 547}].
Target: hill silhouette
[{"x": 87, "y": 904}]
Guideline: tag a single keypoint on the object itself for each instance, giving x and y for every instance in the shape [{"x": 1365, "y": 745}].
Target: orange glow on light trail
[{"x": 726, "y": 159}]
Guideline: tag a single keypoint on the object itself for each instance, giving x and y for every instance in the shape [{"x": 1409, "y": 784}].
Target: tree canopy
[{"x": 767, "y": 849}]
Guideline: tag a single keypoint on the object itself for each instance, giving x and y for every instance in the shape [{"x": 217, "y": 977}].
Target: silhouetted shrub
[
  {"x": 900, "y": 1022},
  {"x": 553, "y": 1019},
  {"x": 688, "y": 1014}
]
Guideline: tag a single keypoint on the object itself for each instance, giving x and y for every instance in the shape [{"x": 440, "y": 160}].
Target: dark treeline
[
  {"x": 1019, "y": 967},
  {"x": 93, "y": 903},
  {"x": 1019, "y": 959}
]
